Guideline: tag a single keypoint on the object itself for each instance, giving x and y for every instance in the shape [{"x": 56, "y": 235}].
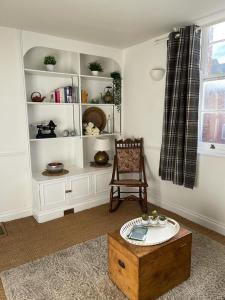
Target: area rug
[{"x": 80, "y": 272}]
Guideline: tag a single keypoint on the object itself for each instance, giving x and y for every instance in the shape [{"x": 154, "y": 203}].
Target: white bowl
[
  {"x": 145, "y": 222},
  {"x": 162, "y": 222},
  {"x": 153, "y": 221}
]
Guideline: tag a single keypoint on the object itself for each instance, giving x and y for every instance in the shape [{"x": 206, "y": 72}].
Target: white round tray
[{"x": 157, "y": 234}]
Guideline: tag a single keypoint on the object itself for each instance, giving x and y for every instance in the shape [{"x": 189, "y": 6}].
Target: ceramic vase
[
  {"x": 94, "y": 73},
  {"x": 50, "y": 67}
]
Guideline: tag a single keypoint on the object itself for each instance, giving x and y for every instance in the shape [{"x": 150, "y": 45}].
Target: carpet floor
[
  {"x": 80, "y": 272},
  {"x": 27, "y": 240}
]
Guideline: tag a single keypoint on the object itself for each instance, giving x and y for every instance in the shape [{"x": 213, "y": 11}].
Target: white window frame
[{"x": 204, "y": 147}]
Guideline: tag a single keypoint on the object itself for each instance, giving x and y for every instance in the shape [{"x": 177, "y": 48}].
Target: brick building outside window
[{"x": 212, "y": 103}]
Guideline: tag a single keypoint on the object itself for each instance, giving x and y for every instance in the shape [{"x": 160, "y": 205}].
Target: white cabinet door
[
  {"x": 102, "y": 182},
  {"x": 53, "y": 194},
  {"x": 80, "y": 187}
]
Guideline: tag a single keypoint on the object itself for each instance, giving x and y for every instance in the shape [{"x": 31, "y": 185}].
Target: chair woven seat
[{"x": 129, "y": 183}]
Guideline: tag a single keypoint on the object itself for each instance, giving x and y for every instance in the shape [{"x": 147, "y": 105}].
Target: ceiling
[{"x": 116, "y": 23}]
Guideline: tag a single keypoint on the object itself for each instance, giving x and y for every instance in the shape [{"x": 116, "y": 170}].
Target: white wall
[
  {"x": 15, "y": 189},
  {"x": 15, "y": 176},
  {"x": 144, "y": 101}
]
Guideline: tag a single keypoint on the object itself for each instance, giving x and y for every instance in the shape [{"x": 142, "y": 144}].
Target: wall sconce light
[{"x": 157, "y": 73}]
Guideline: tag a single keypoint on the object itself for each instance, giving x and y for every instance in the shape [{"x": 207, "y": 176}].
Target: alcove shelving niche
[{"x": 84, "y": 186}]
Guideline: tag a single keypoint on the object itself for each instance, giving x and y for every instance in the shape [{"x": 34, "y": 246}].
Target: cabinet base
[{"x": 48, "y": 215}]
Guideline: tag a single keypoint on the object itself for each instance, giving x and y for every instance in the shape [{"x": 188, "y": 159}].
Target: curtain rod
[{"x": 177, "y": 35}]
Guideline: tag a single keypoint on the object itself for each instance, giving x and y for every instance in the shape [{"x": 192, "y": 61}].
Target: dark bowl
[{"x": 55, "y": 167}]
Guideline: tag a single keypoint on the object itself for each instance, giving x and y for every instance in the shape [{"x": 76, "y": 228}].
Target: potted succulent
[
  {"x": 162, "y": 220},
  {"x": 145, "y": 219},
  {"x": 50, "y": 62},
  {"x": 154, "y": 217},
  {"x": 95, "y": 68}
]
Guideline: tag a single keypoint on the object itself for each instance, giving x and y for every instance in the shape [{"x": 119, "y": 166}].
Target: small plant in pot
[
  {"x": 162, "y": 220},
  {"x": 145, "y": 219},
  {"x": 154, "y": 217},
  {"x": 95, "y": 68},
  {"x": 50, "y": 62}
]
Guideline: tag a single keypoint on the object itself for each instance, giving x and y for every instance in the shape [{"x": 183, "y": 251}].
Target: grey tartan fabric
[{"x": 180, "y": 125}]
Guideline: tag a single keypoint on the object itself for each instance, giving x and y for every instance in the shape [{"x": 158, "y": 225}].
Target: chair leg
[{"x": 112, "y": 199}]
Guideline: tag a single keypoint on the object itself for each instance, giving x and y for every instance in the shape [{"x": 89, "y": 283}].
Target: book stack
[{"x": 67, "y": 94}]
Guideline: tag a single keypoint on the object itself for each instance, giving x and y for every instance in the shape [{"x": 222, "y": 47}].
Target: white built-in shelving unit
[
  {"x": 71, "y": 69},
  {"x": 74, "y": 151}
]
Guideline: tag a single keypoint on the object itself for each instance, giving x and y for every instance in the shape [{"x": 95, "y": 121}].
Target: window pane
[
  {"x": 214, "y": 95},
  {"x": 217, "y": 32},
  {"x": 216, "y": 62},
  {"x": 213, "y": 128}
]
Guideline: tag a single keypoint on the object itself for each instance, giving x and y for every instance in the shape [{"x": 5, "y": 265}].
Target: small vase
[
  {"x": 153, "y": 221},
  {"x": 95, "y": 73},
  {"x": 162, "y": 222},
  {"x": 50, "y": 67},
  {"x": 145, "y": 222}
]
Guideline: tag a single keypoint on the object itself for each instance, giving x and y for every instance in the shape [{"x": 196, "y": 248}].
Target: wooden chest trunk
[{"x": 145, "y": 273}]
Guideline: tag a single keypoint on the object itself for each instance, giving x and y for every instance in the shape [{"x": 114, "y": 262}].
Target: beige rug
[{"x": 80, "y": 272}]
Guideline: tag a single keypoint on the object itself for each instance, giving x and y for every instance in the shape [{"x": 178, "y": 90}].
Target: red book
[{"x": 57, "y": 96}]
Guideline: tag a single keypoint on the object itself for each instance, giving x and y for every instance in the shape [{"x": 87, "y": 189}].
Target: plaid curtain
[{"x": 180, "y": 125}]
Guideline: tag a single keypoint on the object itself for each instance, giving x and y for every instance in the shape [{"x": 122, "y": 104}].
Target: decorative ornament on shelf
[
  {"x": 157, "y": 73},
  {"x": 108, "y": 96},
  {"x": 95, "y": 68},
  {"x": 109, "y": 124},
  {"x": 46, "y": 131},
  {"x": 72, "y": 133},
  {"x": 84, "y": 96},
  {"x": 101, "y": 146},
  {"x": 36, "y": 97},
  {"x": 50, "y": 62},
  {"x": 66, "y": 133},
  {"x": 55, "y": 167},
  {"x": 116, "y": 89},
  {"x": 90, "y": 129}
]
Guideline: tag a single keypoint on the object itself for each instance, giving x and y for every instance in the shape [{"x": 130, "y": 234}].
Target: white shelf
[
  {"x": 97, "y": 104},
  {"x": 96, "y": 77},
  {"x": 73, "y": 171},
  {"x": 99, "y": 135},
  {"x": 73, "y": 137},
  {"x": 57, "y": 138},
  {"x": 48, "y": 73},
  {"x": 50, "y": 103}
]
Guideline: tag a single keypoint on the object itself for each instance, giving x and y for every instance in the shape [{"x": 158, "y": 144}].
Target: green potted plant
[
  {"x": 95, "y": 68},
  {"x": 162, "y": 220},
  {"x": 50, "y": 62},
  {"x": 145, "y": 219},
  {"x": 116, "y": 89},
  {"x": 154, "y": 217}
]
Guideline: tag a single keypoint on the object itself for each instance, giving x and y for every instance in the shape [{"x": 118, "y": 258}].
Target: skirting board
[
  {"x": 15, "y": 214},
  {"x": 191, "y": 215}
]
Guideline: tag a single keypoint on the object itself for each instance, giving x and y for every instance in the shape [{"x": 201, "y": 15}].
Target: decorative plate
[
  {"x": 47, "y": 173},
  {"x": 156, "y": 234},
  {"x": 96, "y": 116}
]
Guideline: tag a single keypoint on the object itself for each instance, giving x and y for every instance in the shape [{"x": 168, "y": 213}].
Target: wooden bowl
[{"x": 95, "y": 115}]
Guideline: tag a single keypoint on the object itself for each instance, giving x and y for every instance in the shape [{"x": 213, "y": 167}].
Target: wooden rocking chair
[{"x": 129, "y": 159}]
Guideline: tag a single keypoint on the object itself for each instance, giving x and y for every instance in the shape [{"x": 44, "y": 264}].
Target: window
[{"x": 212, "y": 104}]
